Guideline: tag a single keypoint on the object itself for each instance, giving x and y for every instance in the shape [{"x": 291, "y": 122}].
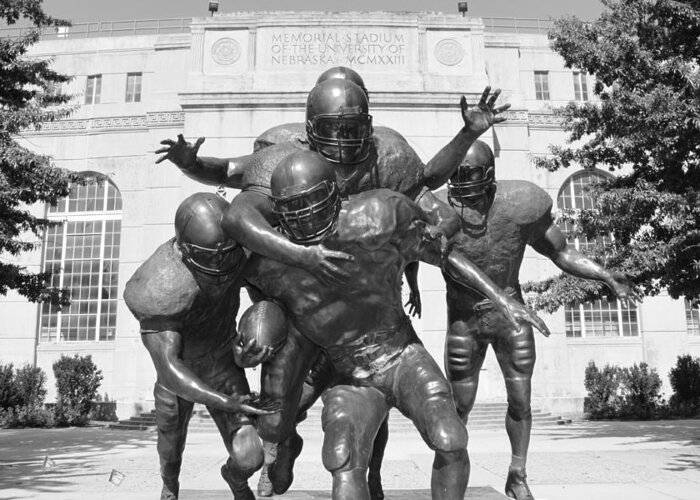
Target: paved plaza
[{"x": 580, "y": 461}]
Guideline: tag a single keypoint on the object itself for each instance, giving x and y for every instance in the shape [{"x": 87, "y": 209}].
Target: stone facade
[{"x": 235, "y": 75}]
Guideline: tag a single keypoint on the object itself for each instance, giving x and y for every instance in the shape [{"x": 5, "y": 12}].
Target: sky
[{"x": 111, "y": 10}]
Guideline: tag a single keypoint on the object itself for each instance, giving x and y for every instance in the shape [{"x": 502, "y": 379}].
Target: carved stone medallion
[
  {"x": 449, "y": 52},
  {"x": 226, "y": 51}
]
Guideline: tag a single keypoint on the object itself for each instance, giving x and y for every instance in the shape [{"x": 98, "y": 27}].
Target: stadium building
[{"x": 231, "y": 76}]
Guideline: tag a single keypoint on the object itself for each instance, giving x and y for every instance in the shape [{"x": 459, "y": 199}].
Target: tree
[
  {"x": 27, "y": 99},
  {"x": 646, "y": 127}
]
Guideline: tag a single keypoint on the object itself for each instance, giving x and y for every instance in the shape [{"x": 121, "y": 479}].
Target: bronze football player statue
[
  {"x": 339, "y": 126},
  {"x": 378, "y": 361},
  {"x": 186, "y": 298},
  {"x": 499, "y": 219}
]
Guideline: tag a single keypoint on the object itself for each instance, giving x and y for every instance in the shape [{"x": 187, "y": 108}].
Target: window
[
  {"x": 581, "y": 85},
  {"x": 93, "y": 88},
  {"x": 542, "y": 85},
  {"x": 133, "y": 87},
  {"x": 83, "y": 255},
  {"x": 692, "y": 319},
  {"x": 603, "y": 317}
]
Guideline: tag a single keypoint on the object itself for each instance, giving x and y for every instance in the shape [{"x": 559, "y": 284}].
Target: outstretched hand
[
  {"x": 319, "y": 261},
  {"x": 252, "y": 405},
  {"x": 519, "y": 314},
  {"x": 181, "y": 153},
  {"x": 624, "y": 289},
  {"x": 478, "y": 119}
]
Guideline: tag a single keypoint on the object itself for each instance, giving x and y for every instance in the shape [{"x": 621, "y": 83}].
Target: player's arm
[
  {"x": 165, "y": 347},
  {"x": 415, "y": 306},
  {"x": 477, "y": 120},
  {"x": 249, "y": 221},
  {"x": 433, "y": 249},
  {"x": 446, "y": 219},
  {"x": 439, "y": 213},
  {"x": 205, "y": 169},
  {"x": 549, "y": 241}
]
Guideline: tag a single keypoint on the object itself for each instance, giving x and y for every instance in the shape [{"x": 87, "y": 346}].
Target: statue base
[{"x": 476, "y": 493}]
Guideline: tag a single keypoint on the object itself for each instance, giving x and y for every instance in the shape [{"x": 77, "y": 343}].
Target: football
[{"x": 265, "y": 322}]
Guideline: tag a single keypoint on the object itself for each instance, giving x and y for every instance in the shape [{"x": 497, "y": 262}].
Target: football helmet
[
  {"x": 343, "y": 73},
  {"x": 474, "y": 178},
  {"x": 305, "y": 196},
  {"x": 338, "y": 123},
  {"x": 201, "y": 239}
]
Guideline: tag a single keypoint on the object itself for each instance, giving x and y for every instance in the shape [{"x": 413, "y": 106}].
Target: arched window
[
  {"x": 83, "y": 255},
  {"x": 603, "y": 317}
]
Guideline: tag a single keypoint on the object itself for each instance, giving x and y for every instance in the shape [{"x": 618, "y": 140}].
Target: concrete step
[{"x": 483, "y": 416}]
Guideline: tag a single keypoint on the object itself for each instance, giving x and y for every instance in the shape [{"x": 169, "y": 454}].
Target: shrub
[
  {"x": 603, "y": 387},
  {"x": 104, "y": 409},
  {"x": 30, "y": 382},
  {"x": 32, "y": 415},
  {"x": 23, "y": 392},
  {"x": 685, "y": 381},
  {"x": 8, "y": 388},
  {"x": 641, "y": 388},
  {"x": 77, "y": 381}
]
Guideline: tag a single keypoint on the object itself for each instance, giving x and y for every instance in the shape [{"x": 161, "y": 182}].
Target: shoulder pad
[
  {"x": 372, "y": 218},
  {"x": 287, "y": 132},
  {"x": 400, "y": 168},
  {"x": 161, "y": 288},
  {"x": 528, "y": 201},
  {"x": 262, "y": 163}
]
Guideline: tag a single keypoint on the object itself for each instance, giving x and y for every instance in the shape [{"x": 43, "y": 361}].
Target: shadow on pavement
[
  {"x": 684, "y": 462},
  {"x": 479, "y": 493},
  {"x": 72, "y": 450},
  {"x": 685, "y": 432}
]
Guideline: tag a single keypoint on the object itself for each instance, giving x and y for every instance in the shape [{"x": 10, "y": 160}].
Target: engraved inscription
[{"x": 347, "y": 48}]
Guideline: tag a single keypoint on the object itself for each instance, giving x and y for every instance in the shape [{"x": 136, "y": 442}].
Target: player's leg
[
  {"x": 278, "y": 474},
  {"x": 351, "y": 418},
  {"x": 237, "y": 431},
  {"x": 318, "y": 379},
  {"x": 515, "y": 351},
  {"x": 172, "y": 416},
  {"x": 282, "y": 380},
  {"x": 423, "y": 394},
  {"x": 464, "y": 355},
  {"x": 374, "y": 477}
]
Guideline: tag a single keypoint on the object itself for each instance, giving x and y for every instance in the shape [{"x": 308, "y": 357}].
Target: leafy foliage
[
  {"x": 27, "y": 99},
  {"x": 624, "y": 393},
  {"x": 22, "y": 394},
  {"x": 603, "y": 388},
  {"x": 33, "y": 415},
  {"x": 8, "y": 388},
  {"x": 685, "y": 381},
  {"x": 646, "y": 126},
  {"x": 641, "y": 387},
  {"x": 77, "y": 382}
]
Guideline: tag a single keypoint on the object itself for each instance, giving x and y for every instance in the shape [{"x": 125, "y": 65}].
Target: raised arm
[
  {"x": 164, "y": 348},
  {"x": 551, "y": 243},
  {"x": 249, "y": 221},
  {"x": 477, "y": 120},
  {"x": 205, "y": 169}
]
